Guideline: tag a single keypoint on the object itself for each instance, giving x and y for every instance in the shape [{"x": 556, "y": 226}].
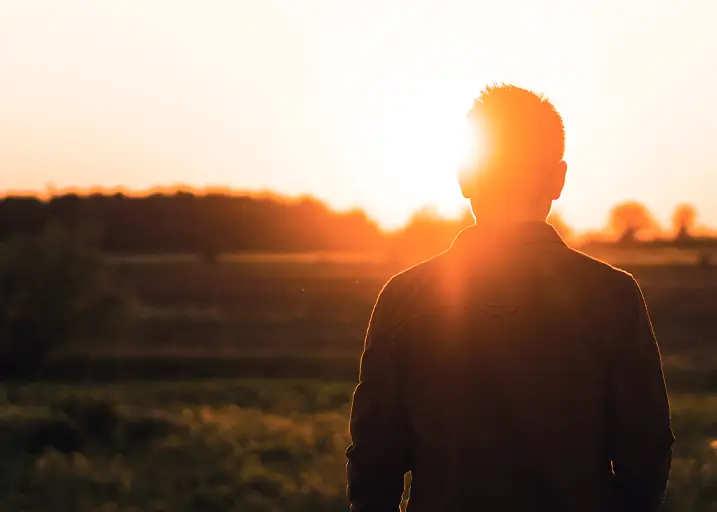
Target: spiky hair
[{"x": 519, "y": 124}]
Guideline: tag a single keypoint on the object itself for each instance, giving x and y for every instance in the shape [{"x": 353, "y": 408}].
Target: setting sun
[{"x": 417, "y": 137}]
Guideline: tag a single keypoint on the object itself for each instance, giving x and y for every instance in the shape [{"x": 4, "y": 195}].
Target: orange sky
[{"x": 357, "y": 102}]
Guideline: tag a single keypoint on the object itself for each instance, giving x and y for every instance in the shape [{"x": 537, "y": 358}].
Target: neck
[{"x": 507, "y": 216}]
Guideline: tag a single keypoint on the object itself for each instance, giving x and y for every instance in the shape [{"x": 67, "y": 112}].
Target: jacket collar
[{"x": 520, "y": 234}]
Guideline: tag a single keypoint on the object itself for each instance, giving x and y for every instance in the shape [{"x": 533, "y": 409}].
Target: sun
[{"x": 419, "y": 137}]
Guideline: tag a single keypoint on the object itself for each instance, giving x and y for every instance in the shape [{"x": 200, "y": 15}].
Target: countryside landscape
[
  {"x": 200, "y": 203},
  {"x": 169, "y": 365}
]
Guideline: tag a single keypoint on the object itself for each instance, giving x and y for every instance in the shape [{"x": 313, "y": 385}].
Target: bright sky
[{"x": 359, "y": 102}]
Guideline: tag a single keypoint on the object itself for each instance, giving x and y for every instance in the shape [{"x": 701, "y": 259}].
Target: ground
[
  {"x": 229, "y": 445},
  {"x": 149, "y": 424}
]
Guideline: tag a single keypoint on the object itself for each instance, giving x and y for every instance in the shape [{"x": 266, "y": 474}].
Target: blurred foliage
[
  {"x": 201, "y": 224},
  {"x": 54, "y": 290},
  {"x": 185, "y": 447},
  {"x": 213, "y": 223},
  {"x": 683, "y": 219},
  {"x": 631, "y": 218},
  {"x": 229, "y": 446}
]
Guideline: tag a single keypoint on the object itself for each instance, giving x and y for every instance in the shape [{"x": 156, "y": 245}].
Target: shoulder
[
  {"x": 607, "y": 276},
  {"x": 405, "y": 292},
  {"x": 412, "y": 279}
]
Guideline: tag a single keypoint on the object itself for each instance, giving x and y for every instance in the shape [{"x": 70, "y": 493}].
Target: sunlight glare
[
  {"x": 423, "y": 140},
  {"x": 472, "y": 148}
]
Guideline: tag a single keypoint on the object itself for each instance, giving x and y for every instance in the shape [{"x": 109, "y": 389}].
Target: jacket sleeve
[
  {"x": 378, "y": 457},
  {"x": 639, "y": 432}
]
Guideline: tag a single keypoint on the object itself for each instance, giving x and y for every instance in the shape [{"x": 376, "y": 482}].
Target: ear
[{"x": 558, "y": 181}]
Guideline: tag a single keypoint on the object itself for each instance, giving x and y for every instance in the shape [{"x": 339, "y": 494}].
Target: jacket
[{"x": 510, "y": 373}]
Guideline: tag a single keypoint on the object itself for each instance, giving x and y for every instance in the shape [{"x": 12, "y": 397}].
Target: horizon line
[{"x": 51, "y": 191}]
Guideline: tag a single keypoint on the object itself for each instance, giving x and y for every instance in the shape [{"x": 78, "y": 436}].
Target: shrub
[{"x": 54, "y": 290}]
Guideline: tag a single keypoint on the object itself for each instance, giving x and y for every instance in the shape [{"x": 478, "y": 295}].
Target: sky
[{"x": 358, "y": 102}]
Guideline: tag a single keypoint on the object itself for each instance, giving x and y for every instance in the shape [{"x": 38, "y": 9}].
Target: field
[
  {"x": 232, "y": 393},
  {"x": 193, "y": 446},
  {"x": 306, "y": 316},
  {"x": 232, "y": 445}
]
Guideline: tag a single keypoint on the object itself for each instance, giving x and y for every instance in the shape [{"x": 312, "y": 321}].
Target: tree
[
  {"x": 182, "y": 222},
  {"x": 629, "y": 219},
  {"x": 54, "y": 290},
  {"x": 683, "y": 221}
]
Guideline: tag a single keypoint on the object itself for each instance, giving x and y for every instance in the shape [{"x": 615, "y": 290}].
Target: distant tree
[
  {"x": 629, "y": 219},
  {"x": 182, "y": 222},
  {"x": 21, "y": 214},
  {"x": 556, "y": 220},
  {"x": 683, "y": 221},
  {"x": 54, "y": 290},
  {"x": 428, "y": 233}
]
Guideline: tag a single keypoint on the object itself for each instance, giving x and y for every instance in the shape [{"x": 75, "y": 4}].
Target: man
[{"x": 511, "y": 373}]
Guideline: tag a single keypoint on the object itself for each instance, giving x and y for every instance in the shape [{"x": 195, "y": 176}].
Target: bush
[{"x": 54, "y": 290}]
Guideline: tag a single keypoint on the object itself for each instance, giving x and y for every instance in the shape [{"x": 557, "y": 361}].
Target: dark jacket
[{"x": 510, "y": 373}]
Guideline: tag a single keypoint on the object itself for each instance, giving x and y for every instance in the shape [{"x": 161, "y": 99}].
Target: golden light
[
  {"x": 473, "y": 146},
  {"x": 419, "y": 139}
]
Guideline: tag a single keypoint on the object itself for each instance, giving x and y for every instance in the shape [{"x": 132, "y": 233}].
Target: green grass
[
  {"x": 253, "y": 445},
  {"x": 186, "y": 446}
]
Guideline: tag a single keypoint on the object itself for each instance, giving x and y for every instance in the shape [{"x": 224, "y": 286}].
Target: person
[{"x": 511, "y": 372}]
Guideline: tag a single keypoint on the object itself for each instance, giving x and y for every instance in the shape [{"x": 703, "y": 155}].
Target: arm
[
  {"x": 640, "y": 437},
  {"x": 378, "y": 456}
]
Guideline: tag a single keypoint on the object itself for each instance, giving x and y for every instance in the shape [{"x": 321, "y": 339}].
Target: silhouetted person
[{"x": 511, "y": 373}]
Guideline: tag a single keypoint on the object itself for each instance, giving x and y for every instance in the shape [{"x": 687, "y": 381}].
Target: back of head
[{"x": 518, "y": 146}]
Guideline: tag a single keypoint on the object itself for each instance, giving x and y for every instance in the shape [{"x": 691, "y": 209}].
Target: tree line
[
  {"x": 187, "y": 223},
  {"x": 213, "y": 223}
]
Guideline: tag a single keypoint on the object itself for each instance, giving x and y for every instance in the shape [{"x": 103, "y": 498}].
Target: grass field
[
  {"x": 232, "y": 445},
  {"x": 124, "y": 428},
  {"x": 203, "y": 447},
  {"x": 317, "y": 306}
]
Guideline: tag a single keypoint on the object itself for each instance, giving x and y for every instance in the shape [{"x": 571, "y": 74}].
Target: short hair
[{"x": 517, "y": 126}]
